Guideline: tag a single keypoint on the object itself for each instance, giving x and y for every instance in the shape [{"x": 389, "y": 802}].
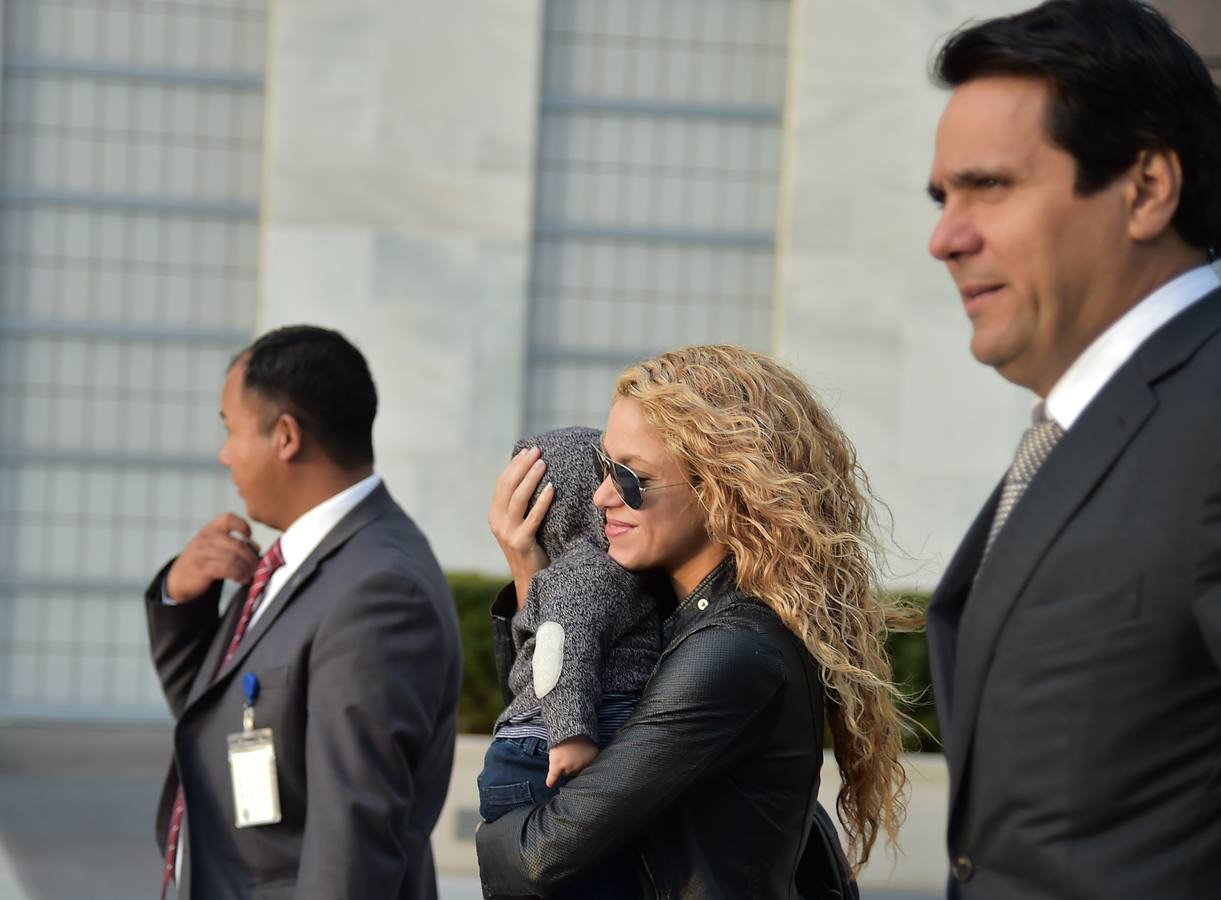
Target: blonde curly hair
[{"x": 780, "y": 486}]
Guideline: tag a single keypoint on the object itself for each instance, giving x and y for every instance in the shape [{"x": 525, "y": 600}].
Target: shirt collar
[
  {"x": 304, "y": 535},
  {"x": 1090, "y": 371}
]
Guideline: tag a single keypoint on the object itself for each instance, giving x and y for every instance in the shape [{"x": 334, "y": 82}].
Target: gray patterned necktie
[{"x": 1036, "y": 444}]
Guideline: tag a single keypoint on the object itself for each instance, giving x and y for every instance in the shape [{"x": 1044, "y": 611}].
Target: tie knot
[{"x": 273, "y": 558}]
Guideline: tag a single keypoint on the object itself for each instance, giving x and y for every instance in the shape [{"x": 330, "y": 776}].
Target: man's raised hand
[{"x": 215, "y": 552}]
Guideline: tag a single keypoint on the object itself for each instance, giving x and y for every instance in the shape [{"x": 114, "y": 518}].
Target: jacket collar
[
  {"x": 945, "y": 608},
  {"x": 719, "y": 589}
]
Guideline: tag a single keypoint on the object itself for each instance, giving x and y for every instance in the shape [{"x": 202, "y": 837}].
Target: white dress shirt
[
  {"x": 304, "y": 535},
  {"x": 1090, "y": 371}
]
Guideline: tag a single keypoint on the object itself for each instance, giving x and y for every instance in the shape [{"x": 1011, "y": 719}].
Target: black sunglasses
[{"x": 627, "y": 483}]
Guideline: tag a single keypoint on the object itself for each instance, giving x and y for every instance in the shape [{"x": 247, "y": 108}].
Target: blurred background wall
[
  {"x": 503, "y": 203},
  {"x": 131, "y": 153}
]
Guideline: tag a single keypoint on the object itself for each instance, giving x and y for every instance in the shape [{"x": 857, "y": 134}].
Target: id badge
[{"x": 252, "y": 767}]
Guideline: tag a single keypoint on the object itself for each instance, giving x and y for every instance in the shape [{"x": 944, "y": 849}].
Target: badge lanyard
[{"x": 252, "y": 766}]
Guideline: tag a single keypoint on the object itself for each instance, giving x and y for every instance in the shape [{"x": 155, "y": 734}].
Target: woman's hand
[
  {"x": 515, "y": 529},
  {"x": 569, "y": 757}
]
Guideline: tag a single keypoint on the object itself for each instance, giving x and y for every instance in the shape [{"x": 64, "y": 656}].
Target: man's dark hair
[
  {"x": 323, "y": 381},
  {"x": 1122, "y": 81}
]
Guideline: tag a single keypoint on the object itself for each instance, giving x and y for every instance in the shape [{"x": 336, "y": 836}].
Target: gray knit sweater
[{"x": 586, "y": 628}]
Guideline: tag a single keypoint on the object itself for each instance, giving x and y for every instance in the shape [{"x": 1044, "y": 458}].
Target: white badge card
[{"x": 252, "y": 766}]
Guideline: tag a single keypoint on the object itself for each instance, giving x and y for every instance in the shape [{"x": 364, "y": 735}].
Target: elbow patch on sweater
[{"x": 548, "y": 658}]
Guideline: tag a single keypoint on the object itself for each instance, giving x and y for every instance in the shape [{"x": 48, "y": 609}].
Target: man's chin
[
  {"x": 1016, "y": 370},
  {"x": 259, "y": 520},
  {"x": 988, "y": 351},
  {"x": 986, "y": 355},
  {"x": 253, "y": 515}
]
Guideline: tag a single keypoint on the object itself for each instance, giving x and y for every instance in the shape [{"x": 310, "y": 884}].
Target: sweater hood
[{"x": 572, "y": 518}]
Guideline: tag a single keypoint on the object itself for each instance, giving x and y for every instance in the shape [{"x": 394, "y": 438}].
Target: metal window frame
[
  {"x": 124, "y": 331},
  {"x": 186, "y": 206},
  {"x": 555, "y": 104},
  {"x": 160, "y": 75}
]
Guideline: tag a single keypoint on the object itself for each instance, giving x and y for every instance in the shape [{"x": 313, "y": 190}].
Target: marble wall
[
  {"x": 397, "y": 208},
  {"x": 863, "y": 311}
]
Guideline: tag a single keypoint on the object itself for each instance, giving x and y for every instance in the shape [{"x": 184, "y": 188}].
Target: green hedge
[
  {"x": 481, "y": 701},
  {"x": 909, "y": 661}
]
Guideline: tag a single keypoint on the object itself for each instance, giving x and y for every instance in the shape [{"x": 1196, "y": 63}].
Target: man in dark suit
[
  {"x": 1076, "y": 635},
  {"x": 345, "y": 647}
]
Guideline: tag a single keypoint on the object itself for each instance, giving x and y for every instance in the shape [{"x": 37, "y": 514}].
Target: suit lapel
[
  {"x": 1071, "y": 472},
  {"x": 207, "y": 671},
  {"x": 945, "y": 609},
  {"x": 369, "y": 509}
]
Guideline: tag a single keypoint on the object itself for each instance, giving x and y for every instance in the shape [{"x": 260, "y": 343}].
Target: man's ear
[
  {"x": 1155, "y": 188},
  {"x": 287, "y": 436}
]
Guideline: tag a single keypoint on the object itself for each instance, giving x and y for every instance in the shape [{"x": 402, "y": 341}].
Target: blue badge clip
[{"x": 250, "y": 687}]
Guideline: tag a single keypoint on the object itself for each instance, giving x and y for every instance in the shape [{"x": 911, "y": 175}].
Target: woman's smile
[{"x": 616, "y": 529}]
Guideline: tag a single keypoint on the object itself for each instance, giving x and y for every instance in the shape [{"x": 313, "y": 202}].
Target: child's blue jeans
[{"x": 514, "y": 774}]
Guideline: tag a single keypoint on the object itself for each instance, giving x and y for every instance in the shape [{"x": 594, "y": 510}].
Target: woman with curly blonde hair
[{"x": 723, "y": 474}]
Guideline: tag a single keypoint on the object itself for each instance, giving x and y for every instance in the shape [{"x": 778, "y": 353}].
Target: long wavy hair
[{"x": 780, "y": 486}]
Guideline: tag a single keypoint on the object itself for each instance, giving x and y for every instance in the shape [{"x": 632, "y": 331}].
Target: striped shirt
[{"x": 613, "y": 713}]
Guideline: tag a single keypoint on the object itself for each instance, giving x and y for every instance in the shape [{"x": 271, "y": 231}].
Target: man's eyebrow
[
  {"x": 967, "y": 178},
  {"x": 978, "y": 175}
]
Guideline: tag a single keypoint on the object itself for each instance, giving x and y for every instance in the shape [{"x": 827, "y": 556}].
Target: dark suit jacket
[
  {"x": 1079, "y": 680},
  {"x": 359, "y": 661}
]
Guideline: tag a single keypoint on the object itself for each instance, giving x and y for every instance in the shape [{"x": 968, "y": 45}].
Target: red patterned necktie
[{"x": 268, "y": 563}]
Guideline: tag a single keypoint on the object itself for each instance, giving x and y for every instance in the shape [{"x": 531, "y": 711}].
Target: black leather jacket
[{"x": 710, "y": 790}]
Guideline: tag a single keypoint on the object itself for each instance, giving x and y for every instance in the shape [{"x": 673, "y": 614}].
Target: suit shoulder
[
  {"x": 392, "y": 542},
  {"x": 390, "y": 560}
]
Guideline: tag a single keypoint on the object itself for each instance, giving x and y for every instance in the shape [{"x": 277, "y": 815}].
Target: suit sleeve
[
  {"x": 381, "y": 679},
  {"x": 1207, "y": 576},
  {"x": 179, "y": 636},
  {"x": 694, "y": 719}
]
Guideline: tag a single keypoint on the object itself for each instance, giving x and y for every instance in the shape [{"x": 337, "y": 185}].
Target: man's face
[
  {"x": 1025, "y": 250},
  {"x": 249, "y": 451}
]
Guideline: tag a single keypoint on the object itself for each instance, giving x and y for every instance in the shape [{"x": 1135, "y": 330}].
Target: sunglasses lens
[{"x": 627, "y": 485}]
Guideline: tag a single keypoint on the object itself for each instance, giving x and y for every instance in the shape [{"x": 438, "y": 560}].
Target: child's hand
[{"x": 569, "y": 757}]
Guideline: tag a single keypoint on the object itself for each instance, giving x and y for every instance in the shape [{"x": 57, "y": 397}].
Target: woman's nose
[{"x": 606, "y": 496}]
